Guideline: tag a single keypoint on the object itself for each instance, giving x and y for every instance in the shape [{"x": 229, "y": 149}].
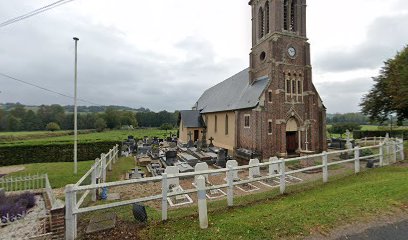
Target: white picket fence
[
  {"x": 36, "y": 183},
  {"x": 388, "y": 151}
]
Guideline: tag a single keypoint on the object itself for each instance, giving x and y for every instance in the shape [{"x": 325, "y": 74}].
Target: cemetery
[{"x": 168, "y": 176}]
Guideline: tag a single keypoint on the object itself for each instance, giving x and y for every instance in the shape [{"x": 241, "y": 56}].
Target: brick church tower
[
  {"x": 271, "y": 108},
  {"x": 280, "y": 50}
]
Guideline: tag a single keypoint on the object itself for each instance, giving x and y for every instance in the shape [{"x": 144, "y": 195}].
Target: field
[
  {"x": 46, "y": 138},
  {"x": 61, "y": 174}
]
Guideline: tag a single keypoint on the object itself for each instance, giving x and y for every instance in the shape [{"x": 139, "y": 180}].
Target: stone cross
[
  {"x": 211, "y": 142},
  {"x": 190, "y": 141},
  {"x": 349, "y": 145},
  {"x": 190, "y": 134},
  {"x": 204, "y": 139}
]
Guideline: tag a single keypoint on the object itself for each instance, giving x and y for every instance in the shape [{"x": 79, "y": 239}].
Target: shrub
[
  {"x": 15, "y": 206},
  {"x": 100, "y": 124},
  {"x": 52, "y": 126}
]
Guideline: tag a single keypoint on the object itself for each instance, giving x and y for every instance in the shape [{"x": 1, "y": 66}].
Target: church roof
[
  {"x": 234, "y": 93},
  {"x": 191, "y": 119}
]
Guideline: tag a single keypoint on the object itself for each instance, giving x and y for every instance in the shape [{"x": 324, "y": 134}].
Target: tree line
[{"x": 55, "y": 117}]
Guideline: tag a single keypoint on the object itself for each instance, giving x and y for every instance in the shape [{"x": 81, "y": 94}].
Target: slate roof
[
  {"x": 191, "y": 119},
  {"x": 232, "y": 94}
]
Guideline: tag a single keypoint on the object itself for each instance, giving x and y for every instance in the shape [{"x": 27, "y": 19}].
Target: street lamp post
[{"x": 75, "y": 109}]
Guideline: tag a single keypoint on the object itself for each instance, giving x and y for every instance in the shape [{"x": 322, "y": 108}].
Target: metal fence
[{"x": 388, "y": 152}]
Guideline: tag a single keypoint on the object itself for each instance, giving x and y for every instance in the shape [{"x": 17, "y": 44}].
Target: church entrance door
[
  {"x": 291, "y": 136},
  {"x": 195, "y": 135},
  {"x": 291, "y": 142}
]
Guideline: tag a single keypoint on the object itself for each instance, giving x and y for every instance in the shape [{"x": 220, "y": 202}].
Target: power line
[
  {"x": 35, "y": 12},
  {"x": 46, "y": 89}
]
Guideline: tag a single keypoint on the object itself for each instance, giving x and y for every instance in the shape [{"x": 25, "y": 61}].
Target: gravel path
[{"x": 29, "y": 226}]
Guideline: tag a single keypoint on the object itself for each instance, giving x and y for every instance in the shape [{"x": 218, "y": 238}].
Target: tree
[
  {"x": 100, "y": 124},
  {"x": 31, "y": 121},
  {"x": 166, "y": 126},
  {"x": 112, "y": 118},
  {"x": 389, "y": 93},
  {"x": 341, "y": 128},
  {"x": 128, "y": 118},
  {"x": 13, "y": 124},
  {"x": 2, "y": 120},
  {"x": 52, "y": 126}
]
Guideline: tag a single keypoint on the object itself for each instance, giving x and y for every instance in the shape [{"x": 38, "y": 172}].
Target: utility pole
[{"x": 75, "y": 110}]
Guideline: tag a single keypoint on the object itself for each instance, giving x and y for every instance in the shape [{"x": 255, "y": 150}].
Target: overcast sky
[{"x": 163, "y": 54}]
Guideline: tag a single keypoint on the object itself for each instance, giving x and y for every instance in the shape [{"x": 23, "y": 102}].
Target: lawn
[
  {"x": 115, "y": 135},
  {"x": 270, "y": 216},
  {"x": 61, "y": 174}
]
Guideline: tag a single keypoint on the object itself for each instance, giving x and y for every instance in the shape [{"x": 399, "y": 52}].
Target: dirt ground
[{"x": 12, "y": 169}]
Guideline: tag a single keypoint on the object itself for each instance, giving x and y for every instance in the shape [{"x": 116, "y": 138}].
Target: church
[{"x": 271, "y": 108}]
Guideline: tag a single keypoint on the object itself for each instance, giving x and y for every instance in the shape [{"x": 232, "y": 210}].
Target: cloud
[
  {"x": 344, "y": 96},
  {"x": 110, "y": 69},
  {"x": 383, "y": 36}
]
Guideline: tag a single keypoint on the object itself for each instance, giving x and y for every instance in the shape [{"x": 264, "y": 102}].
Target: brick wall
[{"x": 58, "y": 223}]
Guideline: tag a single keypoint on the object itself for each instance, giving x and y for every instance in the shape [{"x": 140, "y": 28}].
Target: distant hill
[{"x": 81, "y": 109}]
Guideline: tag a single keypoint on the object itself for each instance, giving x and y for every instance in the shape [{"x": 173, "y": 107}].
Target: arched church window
[
  {"x": 261, "y": 19},
  {"x": 267, "y": 17},
  {"x": 285, "y": 14},
  {"x": 292, "y": 15},
  {"x": 226, "y": 124}
]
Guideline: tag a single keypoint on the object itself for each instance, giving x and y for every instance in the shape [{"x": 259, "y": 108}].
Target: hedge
[
  {"x": 15, "y": 155},
  {"x": 380, "y": 133}
]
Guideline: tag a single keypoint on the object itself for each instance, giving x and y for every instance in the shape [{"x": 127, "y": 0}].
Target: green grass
[
  {"x": 61, "y": 174},
  {"x": 116, "y": 135},
  {"x": 270, "y": 216}
]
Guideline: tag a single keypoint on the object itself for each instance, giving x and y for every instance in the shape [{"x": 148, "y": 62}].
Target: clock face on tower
[{"x": 292, "y": 52}]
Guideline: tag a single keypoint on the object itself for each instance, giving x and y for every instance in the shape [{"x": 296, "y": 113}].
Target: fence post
[
  {"x": 164, "y": 196},
  {"x": 357, "y": 159},
  {"x": 365, "y": 141},
  {"x": 110, "y": 160},
  {"x": 325, "y": 168},
  {"x": 103, "y": 158},
  {"x": 381, "y": 154},
  {"x": 402, "y": 149},
  {"x": 387, "y": 153},
  {"x": 70, "y": 217},
  {"x": 375, "y": 141},
  {"x": 93, "y": 181},
  {"x": 117, "y": 151},
  {"x": 202, "y": 202},
  {"x": 283, "y": 176},
  {"x": 230, "y": 190},
  {"x": 114, "y": 154},
  {"x": 394, "y": 151}
]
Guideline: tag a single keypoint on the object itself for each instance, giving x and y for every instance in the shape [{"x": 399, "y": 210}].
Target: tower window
[
  {"x": 288, "y": 86},
  {"x": 292, "y": 16},
  {"x": 262, "y": 56},
  {"x": 269, "y": 127},
  {"x": 261, "y": 18},
  {"x": 270, "y": 96},
  {"x": 267, "y": 17},
  {"x": 285, "y": 14}
]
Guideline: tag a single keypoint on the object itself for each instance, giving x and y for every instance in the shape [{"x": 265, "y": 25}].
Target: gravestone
[
  {"x": 221, "y": 159},
  {"x": 254, "y": 169},
  {"x": 274, "y": 168},
  {"x": 234, "y": 164},
  {"x": 201, "y": 167},
  {"x": 172, "y": 182},
  {"x": 101, "y": 222}
]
